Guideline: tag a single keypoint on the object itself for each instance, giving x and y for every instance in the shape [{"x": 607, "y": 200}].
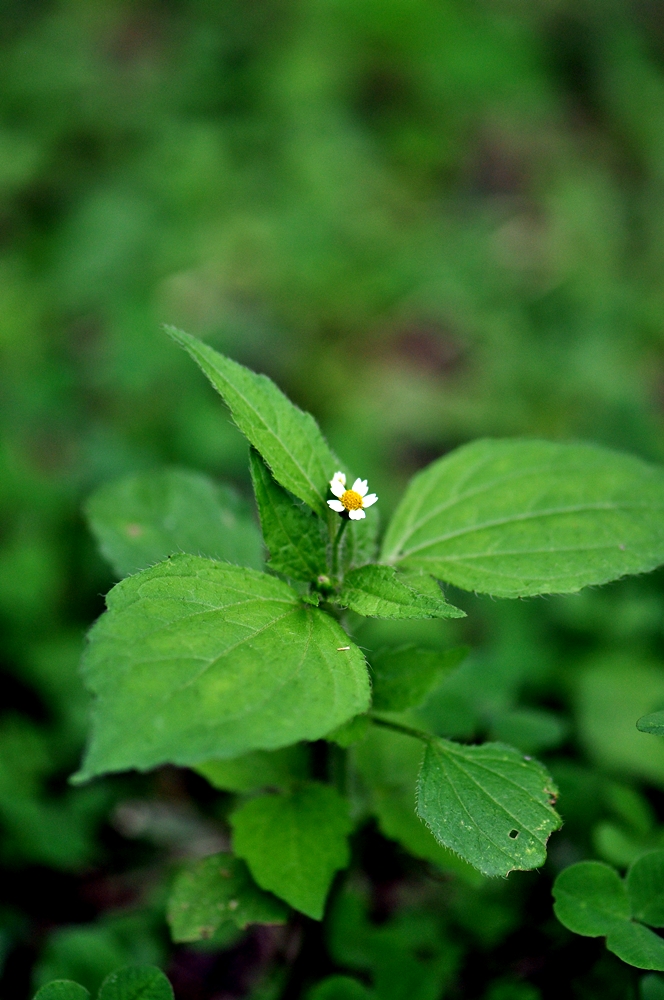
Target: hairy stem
[{"x": 335, "y": 548}]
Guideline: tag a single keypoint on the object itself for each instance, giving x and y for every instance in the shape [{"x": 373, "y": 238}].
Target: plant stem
[
  {"x": 419, "y": 734},
  {"x": 335, "y": 548}
]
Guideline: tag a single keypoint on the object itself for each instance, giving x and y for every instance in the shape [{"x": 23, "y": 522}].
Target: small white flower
[{"x": 354, "y": 500}]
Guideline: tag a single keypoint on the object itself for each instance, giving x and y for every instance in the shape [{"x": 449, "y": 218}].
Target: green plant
[
  {"x": 591, "y": 899},
  {"x": 133, "y": 982},
  {"x": 233, "y": 670}
]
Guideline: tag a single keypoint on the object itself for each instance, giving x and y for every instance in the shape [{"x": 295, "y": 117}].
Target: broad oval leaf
[
  {"x": 645, "y": 887},
  {"x": 62, "y": 989},
  {"x": 136, "y": 982},
  {"x": 196, "y": 659},
  {"x": 637, "y": 945},
  {"x": 590, "y": 897},
  {"x": 294, "y": 843},
  {"x": 214, "y": 891},
  {"x": 379, "y": 592},
  {"x": 514, "y": 518},
  {"x": 289, "y": 439},
  {"x": 294, "y": 536},
  {"x": 141, "y": 519},
  {"x": 489, "y": 804}
]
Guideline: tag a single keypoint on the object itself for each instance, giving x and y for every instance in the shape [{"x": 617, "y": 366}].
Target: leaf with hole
[
  {"x": 379, "y": 592},
  {"x": 489, "y": 804},
  {"x": 294, "y": 536},
  {"x": 214, "y": 891},
  {"x": 516, "y": 517},
  {"x": 141, "y": 519},
  {"x": 196, "y": 660},
  {"x": 388, "y": 763},
  {"x": 294, "y": 843},
  {"x": 289, "y": 440}
]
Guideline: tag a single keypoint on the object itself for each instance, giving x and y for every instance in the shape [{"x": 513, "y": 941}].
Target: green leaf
[
  {"x": 352, "y": 731},
  {"x": 489, "y": 804},
  {"x": 403, "y": 677},
  {"x": 136, "y": 982},
  {"x": 197, "y": 660},
  {"x": 653, "y": 723},
  {"x": 294, "y": 843},
  {"x": 388, "y": 764},
  {"x": 289, "y": 440},
  {"x": 530, "y": 730},
  {"x": 141, "y": 519},
  {"x": 612, "y": 691},
  {"x": 339, "y": 988},
  {"x": 256, "y": 770},
  {"x": 651, "y": 988},
  {"x": 377, "y": 592},
  {"x": 62, "y": 989},
  {"x": 637, "y": 945},
  {"x": 645, "y": 887},
  {"x": 214, "y": 891},
  {"x": 513, "y": 518},
  {"x": 590, "y": 898},
  {"x": 295, "y": 537}
]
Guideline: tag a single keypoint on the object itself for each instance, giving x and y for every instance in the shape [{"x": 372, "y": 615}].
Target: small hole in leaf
[{"x": 514, "y": 834}]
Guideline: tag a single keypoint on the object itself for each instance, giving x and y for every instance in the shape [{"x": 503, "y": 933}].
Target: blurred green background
[{"x": 428, "y": 220}]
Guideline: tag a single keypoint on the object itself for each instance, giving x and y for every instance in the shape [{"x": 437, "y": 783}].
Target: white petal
[
  {"x": 360, "y": 486},
  {"x": 338, "y": 484},
  {"x": 356, "y": 515},
  {"x": 367, "y": 501},
  {"x": 336, "y": 505}
]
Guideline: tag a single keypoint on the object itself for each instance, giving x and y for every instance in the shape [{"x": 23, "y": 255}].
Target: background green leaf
[
  {"x": 612, "y": 691},
  {"x": 637, "y": 945},
  {"x": 377, "y": 591},
  {"x": 258, "y": 769},
  {"x": 141, "y": 519},
  {"x": 214, "y": 891},
  {"x": 517, "y": 517},
  {"x": 62, "y": 989},
  {"x": 489, "y": 804},
  {"x": 652, "y": 723},
  {"x": 289, "y": 440},
  {"x": 645, "y": 887},
  {"x": 339, "y": 988},
  {"x": 402, "y": 677},
  {"x": 295, "y": 538},
  {"x": 197, "y": 659},
  {"x": 294, "y": 843},
  {"x": 590, "y": 897},
  {"x": 137, "y": 982}
]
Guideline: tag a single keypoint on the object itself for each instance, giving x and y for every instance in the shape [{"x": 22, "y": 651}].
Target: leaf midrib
[{"x": 517, "y": 518}]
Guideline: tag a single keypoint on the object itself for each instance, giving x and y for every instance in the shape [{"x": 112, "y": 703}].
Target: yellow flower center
[{"x": 351, "y": 500}]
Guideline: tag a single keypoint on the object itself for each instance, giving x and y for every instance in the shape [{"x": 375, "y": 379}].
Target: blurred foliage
[{"x": 428, "y": 221}]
